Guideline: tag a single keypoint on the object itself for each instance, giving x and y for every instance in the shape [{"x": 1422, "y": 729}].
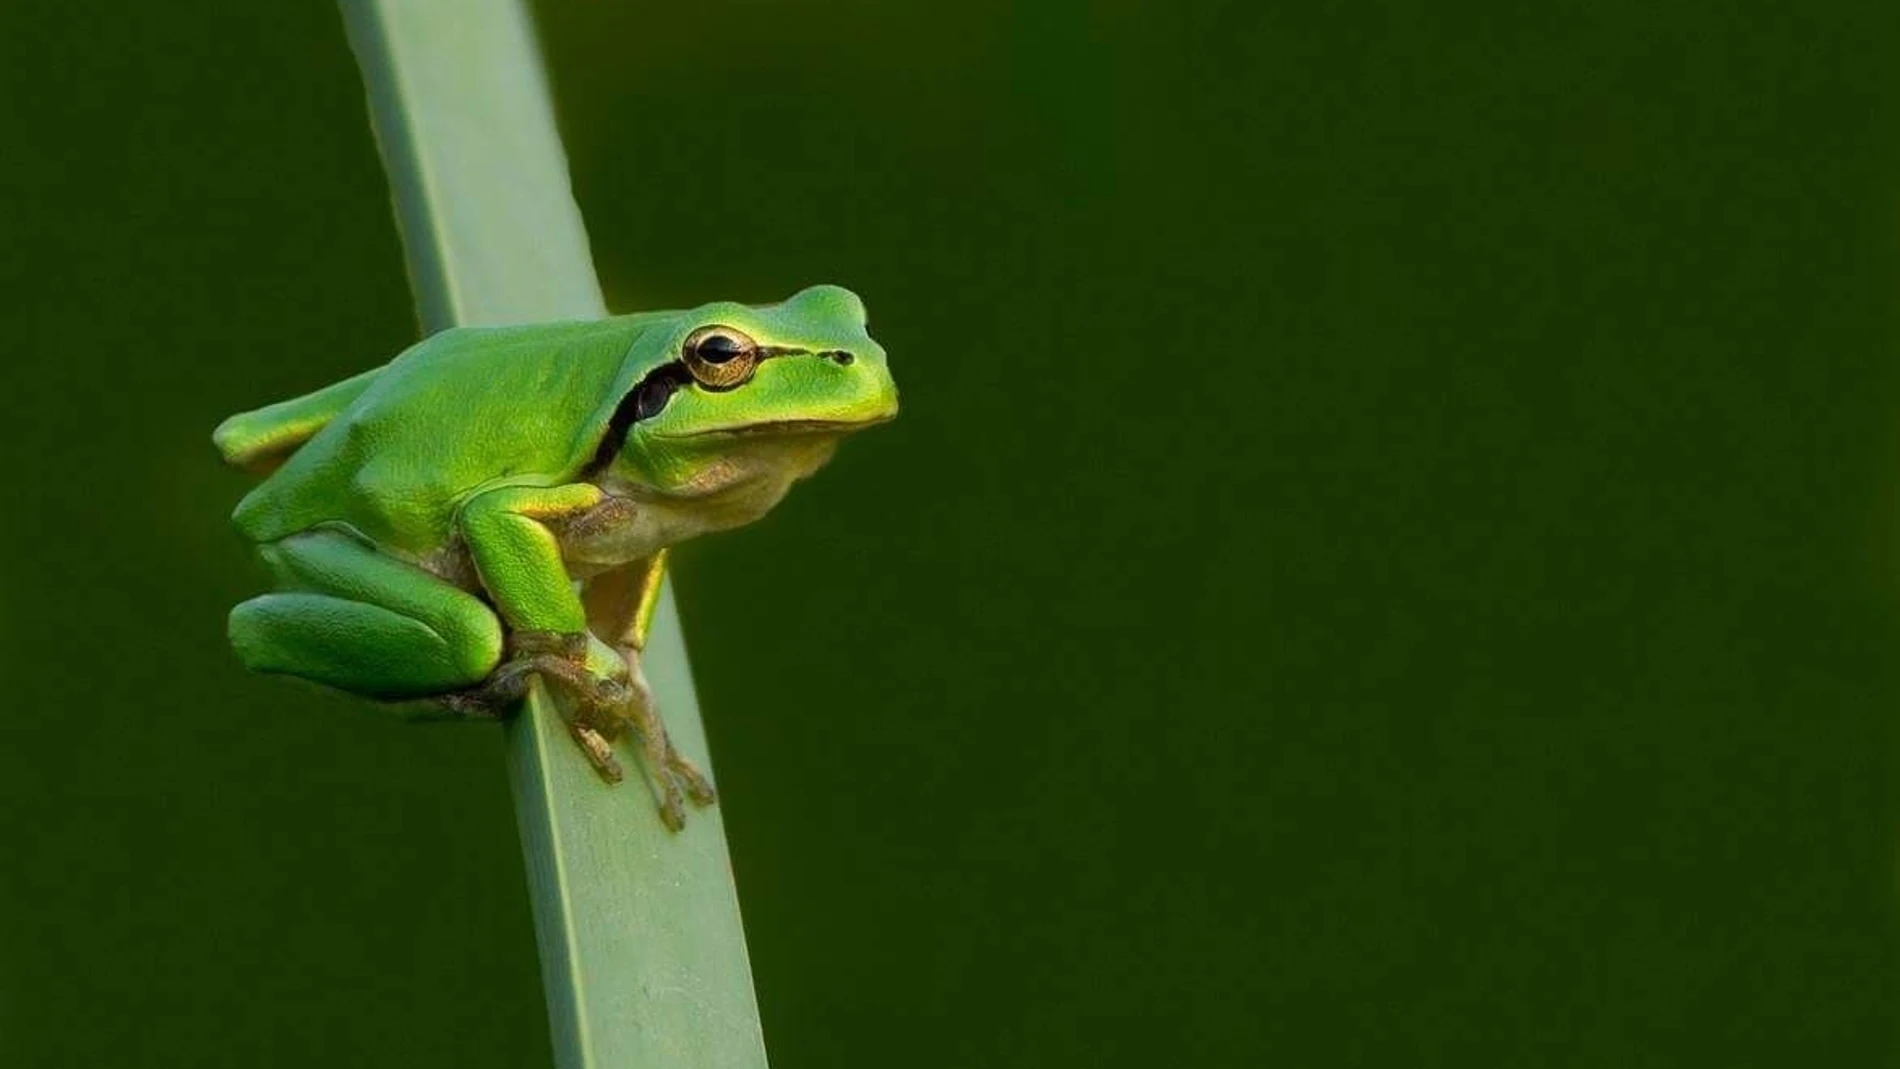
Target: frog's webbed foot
[
  {"x": 674, "y": 777},
  {"x": 601, "y": 709},
  {"x": 566, "y": 660},
  {"x": 562, "y": 660}
]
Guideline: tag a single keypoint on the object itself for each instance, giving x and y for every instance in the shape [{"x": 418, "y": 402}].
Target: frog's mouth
[{"x": 785, "y": 427}]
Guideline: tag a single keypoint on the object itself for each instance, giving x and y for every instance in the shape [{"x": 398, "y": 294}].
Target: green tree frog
[{"x": 496, "y": 504}]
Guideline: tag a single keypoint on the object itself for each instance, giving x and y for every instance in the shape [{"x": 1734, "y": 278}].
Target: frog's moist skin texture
[{"x": 428, "y": 523}]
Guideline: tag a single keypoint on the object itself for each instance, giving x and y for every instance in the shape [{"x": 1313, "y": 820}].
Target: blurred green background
[{"x": 1391, "y": 555}]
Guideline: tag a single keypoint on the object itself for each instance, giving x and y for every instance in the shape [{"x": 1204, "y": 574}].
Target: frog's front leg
[
  {"x": 518, "y": 559},
  {"x": 620, "y": 606},
  {"x": 675, "y": 778}
]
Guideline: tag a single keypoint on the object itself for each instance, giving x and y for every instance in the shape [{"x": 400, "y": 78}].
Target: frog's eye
[{"x": 720, "y": 357}]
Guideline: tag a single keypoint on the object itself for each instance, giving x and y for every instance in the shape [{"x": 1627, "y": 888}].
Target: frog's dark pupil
[{"x": 719, "y": 348}]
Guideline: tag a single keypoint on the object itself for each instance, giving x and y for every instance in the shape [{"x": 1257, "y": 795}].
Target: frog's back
[{"x": 460, "y": 409}]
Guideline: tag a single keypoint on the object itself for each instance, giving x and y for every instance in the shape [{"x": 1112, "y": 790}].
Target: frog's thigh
[{"x": 356, "y": 619}]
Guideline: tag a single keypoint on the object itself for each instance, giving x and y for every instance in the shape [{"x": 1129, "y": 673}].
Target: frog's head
[{"x": 740, "y": 394}]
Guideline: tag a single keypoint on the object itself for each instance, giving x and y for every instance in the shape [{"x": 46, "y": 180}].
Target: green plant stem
[{"x": 642, "y": 953}]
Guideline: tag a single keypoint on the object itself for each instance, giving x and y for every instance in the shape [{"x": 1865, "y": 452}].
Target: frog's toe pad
[
  {"x": 699, "y": 790},
  {"x": 672, "y": 811},
  {"x": 600, "y": 752}
]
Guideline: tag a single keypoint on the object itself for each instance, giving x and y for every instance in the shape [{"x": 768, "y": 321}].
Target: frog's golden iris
[{"x": 720, "y": 357}]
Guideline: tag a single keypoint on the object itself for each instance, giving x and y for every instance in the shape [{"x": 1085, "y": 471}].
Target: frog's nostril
[{"x": 842, "y": 358}]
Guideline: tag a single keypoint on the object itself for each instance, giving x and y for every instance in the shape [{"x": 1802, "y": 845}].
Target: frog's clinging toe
[
  {"x": 599, "y": 751},
  {"x": 672, "y": 810},
  {"x": 699, "y": 790}
]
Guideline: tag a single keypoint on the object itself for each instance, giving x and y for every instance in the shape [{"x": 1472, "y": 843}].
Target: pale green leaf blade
[{"x": 641, "y": 946}]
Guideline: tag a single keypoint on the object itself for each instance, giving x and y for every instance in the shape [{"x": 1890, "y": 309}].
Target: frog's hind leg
[
  {"x": 353, "y": 618},
  {"x": 260, "y": 440}
]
